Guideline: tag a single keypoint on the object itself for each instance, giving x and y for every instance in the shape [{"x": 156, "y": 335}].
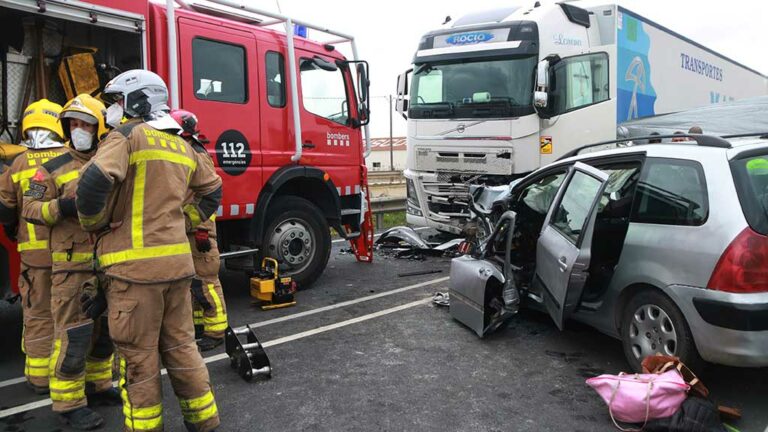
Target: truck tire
[
  {"x": 652, "y": 323},
  {"x": 298, "y": 237}
]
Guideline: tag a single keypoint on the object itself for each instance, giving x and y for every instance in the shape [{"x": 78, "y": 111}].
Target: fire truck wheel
[{"x": 299, "y": 238}]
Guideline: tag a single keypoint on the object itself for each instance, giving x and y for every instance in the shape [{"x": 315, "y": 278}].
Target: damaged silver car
[{"x": 663, "y": 246}]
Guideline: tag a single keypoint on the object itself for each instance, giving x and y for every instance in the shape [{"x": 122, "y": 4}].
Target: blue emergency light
[{"x": 300, "y": 30}]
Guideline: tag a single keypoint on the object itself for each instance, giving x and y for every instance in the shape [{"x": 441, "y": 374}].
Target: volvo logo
[{"x": 460, "y": 128}]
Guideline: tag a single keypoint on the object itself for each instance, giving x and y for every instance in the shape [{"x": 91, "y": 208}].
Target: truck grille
[{"x": 447, "y": 201}]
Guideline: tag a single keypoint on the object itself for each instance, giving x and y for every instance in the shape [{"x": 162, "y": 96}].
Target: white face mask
[
  {"x": 82, "y": 140},
  {"x": 114, "y": 115},
  {"x": 39, "y": 138}
]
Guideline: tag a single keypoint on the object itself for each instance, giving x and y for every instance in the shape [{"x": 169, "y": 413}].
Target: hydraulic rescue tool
[
  {"x": 272, "y": 290},
  {"x": 249, "y": 358}
]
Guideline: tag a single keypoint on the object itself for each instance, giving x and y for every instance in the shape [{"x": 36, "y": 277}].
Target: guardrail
[{"x": 379, "y": 206}]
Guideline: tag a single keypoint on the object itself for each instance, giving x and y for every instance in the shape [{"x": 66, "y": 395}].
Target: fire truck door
[
  {"x": 219, "y": 83},
  {"x": 327, "y": 108}
]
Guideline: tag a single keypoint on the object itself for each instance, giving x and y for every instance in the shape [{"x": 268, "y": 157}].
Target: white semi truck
[{"x": 496, "y": 94}]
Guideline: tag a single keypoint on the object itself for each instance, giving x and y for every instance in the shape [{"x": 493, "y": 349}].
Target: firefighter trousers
[
  {"x": 36, "y": 341},
  {"x": 208, "y": 307},
  {"x": 82, "y": 350},
  {"x": 152, "y": 324}
]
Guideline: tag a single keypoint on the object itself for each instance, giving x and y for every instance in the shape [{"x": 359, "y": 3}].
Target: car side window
[
  {"x": 323, "y": 92},
  {"x": 538, "y": 196},
  {"x": 619, "y": 192},
  {"x": 671, "y": 192},
  {"x": 580, "y": 81},
  {"x": 275, "y": 73},
  {"x": 219, "y": 71},
  {"x": 573, "y": 209}
]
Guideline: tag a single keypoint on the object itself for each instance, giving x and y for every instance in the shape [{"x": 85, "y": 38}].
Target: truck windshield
[
  {"x": 473, "y": 89},
  {"x": 751, "y": 177}
]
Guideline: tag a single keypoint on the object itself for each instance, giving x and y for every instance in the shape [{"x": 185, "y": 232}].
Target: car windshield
[
  {"x": 751, "y": 177},
  {"x": 473, "y": 89}
]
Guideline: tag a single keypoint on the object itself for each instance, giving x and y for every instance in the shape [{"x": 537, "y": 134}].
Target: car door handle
[
  {"x": 308, "y": 145},
  {"x": 563, "y": 263}
]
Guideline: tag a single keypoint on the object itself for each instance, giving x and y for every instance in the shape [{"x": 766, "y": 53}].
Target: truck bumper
[{"x": 728, "y": 328}]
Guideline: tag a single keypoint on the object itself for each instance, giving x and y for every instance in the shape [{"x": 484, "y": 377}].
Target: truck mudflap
[{"x": 362, "y": 245}]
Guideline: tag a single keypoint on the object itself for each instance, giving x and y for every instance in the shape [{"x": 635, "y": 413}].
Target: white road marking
[
  {"x": 285, "y": 339},
  {"x": 378, "y": 235},
  {"x": 19, "y": 380}
]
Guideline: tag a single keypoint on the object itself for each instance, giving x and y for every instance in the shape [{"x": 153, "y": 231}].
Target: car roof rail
[
  {"x": 761, "y": 135},
  {"x": 701, "y": 140}
]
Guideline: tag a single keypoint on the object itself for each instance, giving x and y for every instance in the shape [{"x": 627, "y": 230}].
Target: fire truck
[{"x": 285, "y": 116}]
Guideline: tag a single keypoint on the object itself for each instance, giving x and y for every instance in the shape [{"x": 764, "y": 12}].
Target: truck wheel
[
  {"x": 299, "y": 238},
  {"x": 653, "y": 324}
]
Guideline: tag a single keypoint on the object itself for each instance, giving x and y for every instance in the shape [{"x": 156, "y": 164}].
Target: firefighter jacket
[
  {"x": 50, "y": 201},
  {"x": 135, "y": 187},
  {"x": 189, "y": 207},
  {"x": 14, "y": 183}
]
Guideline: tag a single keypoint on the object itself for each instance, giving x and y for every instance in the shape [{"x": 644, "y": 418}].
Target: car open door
[{"x": 563, "y": 250}]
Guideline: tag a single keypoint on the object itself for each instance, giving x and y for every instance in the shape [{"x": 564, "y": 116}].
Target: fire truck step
[{"x": 348, "y": 212}]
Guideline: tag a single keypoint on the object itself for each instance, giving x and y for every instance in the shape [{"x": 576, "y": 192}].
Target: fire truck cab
[{"x": 285, "y": 116}]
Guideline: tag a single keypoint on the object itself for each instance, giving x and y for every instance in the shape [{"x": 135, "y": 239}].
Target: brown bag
[{"x": 660, "y": 363}]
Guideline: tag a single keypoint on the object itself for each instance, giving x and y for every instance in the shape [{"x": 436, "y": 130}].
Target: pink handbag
[{"x": 637, "y": 398}]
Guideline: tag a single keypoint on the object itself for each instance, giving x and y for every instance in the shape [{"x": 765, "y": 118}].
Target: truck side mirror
[
  {"x": 362, "y": 82},
  {"x": 401, "y": 103},
  {"x": 540, "y": 95}
]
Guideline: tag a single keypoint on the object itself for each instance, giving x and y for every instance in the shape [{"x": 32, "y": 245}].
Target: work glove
[
  {"x": 202, "y": 241},
  {"x": 67, "y": 207},
  {"x": 93, "y": 301}
]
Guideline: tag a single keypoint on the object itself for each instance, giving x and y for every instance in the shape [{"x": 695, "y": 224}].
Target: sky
[{"x": 388, "y": 31}]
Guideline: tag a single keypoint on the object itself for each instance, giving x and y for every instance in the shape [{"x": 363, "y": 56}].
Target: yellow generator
[{"x": 270, "y": 289}]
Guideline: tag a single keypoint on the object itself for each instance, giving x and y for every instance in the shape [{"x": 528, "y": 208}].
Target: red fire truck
[{"x": 285, "y": 115}]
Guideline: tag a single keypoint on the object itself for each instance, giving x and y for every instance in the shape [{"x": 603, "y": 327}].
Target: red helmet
[{"x": 189, "y": 126}]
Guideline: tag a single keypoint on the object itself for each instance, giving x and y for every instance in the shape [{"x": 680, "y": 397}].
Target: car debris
[
  {"x": 405, "y": 243},
  {"x": 419, "y": 273}
]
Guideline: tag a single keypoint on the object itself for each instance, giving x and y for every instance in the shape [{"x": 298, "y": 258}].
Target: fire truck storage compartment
[{"x": 25, "y": 35}]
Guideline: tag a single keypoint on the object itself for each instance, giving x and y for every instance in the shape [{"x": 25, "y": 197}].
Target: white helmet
[{"x": 142, "y": 91}]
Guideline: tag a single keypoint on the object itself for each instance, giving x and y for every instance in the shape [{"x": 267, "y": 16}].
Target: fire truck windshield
[{"x": 473, "y": 89}]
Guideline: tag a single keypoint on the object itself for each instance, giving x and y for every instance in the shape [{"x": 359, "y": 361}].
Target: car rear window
[{"x": 750, "y": 174}]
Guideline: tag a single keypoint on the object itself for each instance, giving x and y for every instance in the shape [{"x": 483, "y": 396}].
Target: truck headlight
[{"x": 412, "y": 203}]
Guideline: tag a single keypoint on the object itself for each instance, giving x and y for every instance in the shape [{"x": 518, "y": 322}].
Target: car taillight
[{"x": 743, "y": 268}]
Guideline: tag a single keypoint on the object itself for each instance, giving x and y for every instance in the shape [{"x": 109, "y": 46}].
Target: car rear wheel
[
  {"x": 652, "y": 324},
  {"x": 299, "y": 238}
]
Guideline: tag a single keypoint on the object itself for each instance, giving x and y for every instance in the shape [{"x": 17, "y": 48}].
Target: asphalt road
[{"x": 395, "y": 363}]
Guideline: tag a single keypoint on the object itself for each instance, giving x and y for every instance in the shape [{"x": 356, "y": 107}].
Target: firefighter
[
  {"x": 81, "y": 363},
  {"x": 42, "y": 134},
  {"x": 131, "y": 194},
  {"x": 209, "y": 310}
]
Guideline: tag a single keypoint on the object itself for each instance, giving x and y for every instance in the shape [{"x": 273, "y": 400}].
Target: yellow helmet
[
  {"x": 88, "y": 109},
  {"x": 42, "y": 114}
]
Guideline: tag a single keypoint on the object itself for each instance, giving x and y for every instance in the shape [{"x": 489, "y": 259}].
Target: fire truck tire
[{"x": 299, "y": 237}]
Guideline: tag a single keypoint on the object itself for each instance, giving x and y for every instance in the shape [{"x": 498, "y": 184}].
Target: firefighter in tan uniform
[
  {"x": 81, "y": 363},
  {"x": 208, "y": 307},
  {"x": 131, "y": 194},
  {"x": 42, "y": 133}
]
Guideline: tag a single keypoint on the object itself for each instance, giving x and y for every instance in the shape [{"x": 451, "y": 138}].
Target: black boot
[
  {"x": 109, "y": 397},
  {"x": 208, "y": 343},
  {"x": 82, "y": 419},
  {"x": 192, "y": 428},
  {"x": 199, "y": 329}
]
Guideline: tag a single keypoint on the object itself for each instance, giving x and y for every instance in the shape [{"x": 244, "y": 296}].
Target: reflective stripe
[
  {"x": 194, "y": 215},
  {"x": 38, "y": 361},
  {"x": 89, "y": 220},
  {"x": 23, "y": 175},
  {"x": 137, "y": 206},
  {"x": 98, "y": 376},
  {"x": 145, "y": 253},
  {"x": 139, "y": 424},
  {"x": 201, "y": 416},
  {"x": 65, "y": 385},
  {"x": 69, "y": 396},
  {"x": 47, "y": 217},
  {"x": 161, "y": 155},
  {"x": 32, "y": 245},
  {"x": 98, "y": 370},
  {"x": 144, "y": 413},
  {"x": 218, "y": 322},
  {"x": 66, "y": 177},
  {"x": 36, "y": 366},
  {"x": 77, "y": 257},
  {"x": 216, "y": 326},
  {"x": 196, "y": 403}
]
